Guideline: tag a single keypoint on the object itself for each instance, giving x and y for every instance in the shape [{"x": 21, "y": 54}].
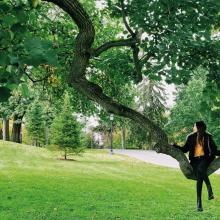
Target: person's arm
[{"x": 185, "y": 148}]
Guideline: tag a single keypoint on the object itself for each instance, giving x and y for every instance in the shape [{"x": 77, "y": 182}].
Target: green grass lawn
[{"x": 36, "y": 184}]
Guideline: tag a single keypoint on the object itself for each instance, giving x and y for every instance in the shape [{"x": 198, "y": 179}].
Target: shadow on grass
[
  {"x": 96, "y": 162},
  {"x": 87, "y": 161},
  {"x": 69, "y": 159}
]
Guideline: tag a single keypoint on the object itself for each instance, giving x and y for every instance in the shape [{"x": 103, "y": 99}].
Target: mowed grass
[{"x": 36, "y": 184}]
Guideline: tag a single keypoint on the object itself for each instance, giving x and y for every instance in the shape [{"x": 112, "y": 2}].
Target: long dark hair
[{"x": 201, "y": 128}]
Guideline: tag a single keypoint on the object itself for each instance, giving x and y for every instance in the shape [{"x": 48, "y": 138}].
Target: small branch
[
  {"x": 125, "y": 20},
  {"x": 137, "y": 63},
  {"x": 4, "y": 48},
  {"x": 135, "y": 35},
  {"x": 36, "y": 80},
  {"x": 146, "y": 56},
  {"x": 117, "y": 43}
]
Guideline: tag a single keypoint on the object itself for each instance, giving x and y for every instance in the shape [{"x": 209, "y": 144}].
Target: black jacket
[{"x": 210, "y": 148}]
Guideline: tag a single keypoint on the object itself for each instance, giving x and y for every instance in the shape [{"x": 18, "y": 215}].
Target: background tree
[
  {"x": 66, "y": 131},
  {"x": 188, "y": 108},
  {"x": 5, "y": 112},
  {"x": 195, "y": 101},
  {"x": 210, "y": 108},
  {"x": 151, "y": 102},
  {"x": 35, "y": 123},
  {"x": 18, "y": 104}
]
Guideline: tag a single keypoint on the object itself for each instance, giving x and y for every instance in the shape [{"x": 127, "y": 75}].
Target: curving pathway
[{"x": 150, "y": 156}]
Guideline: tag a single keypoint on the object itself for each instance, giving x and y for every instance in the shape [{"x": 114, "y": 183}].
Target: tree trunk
[
  {"x": 5, "y": 130},
  {"x": 123, "y": 137},
  {"x": 109, "y": 139},
  {"x": 77, "y": 79},
  {"x": 16, "y": 129},
  {"x": 1, "y": 135},
  {"x": 46, "y": 135},
  {"x": 65, "y": 154},
  {"x": 35, "y": 142},
  {"x": 92, "y": 144},
  {"x": 150, "y": 142}
]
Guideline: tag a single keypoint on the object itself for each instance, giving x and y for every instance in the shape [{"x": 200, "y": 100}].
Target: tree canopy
[{"x": 99, "y": 51}]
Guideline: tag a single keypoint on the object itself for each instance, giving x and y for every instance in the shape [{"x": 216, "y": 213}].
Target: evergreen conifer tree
[
  {"x": 66, "y": 130},
  {"x": 35, "y": 123}
]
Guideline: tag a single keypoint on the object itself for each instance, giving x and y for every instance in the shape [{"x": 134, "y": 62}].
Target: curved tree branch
[
  {"x": 214, "y": 166},
  {"x": 84, "y": 39},
  {"x": 118, "y": 43},
  {"x": 94, "y": 92}
]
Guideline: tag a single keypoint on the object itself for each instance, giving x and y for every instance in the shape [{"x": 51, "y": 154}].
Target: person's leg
[
  {"x": 199, "y": 193},
  {"x": 208, "y": 185},
  {"x": 199, "y": 180},
  {"x": 201, "y": 170}
]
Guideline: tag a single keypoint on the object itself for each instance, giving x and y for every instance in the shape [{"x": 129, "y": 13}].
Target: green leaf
[
  {"x": 9, "y": 68},
  {"x": 5, "y": 36},
  {"x": 4, "y": 6},
  {"x": 4, "y": 59},
  {"x": 34, "y": 3},
  {"x": 20, "y": 14},
  {"x": 40, "y": 52},
  {"x": 9, "y": 20},
  {"x": 11, "y": 86},
  {"x": 5, "y": 93},
  {"x": 154, "y": 77},
  {"x": 18, "y": 28},
  {"x": 24, "y": 90},
  {"x": 14, "y": 60}
]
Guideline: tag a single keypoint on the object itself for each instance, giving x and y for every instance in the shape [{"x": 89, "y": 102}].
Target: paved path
[{"x": 152, "y": 157}]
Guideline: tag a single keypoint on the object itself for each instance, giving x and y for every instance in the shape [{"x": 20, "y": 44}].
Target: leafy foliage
[
  {"x": 151, "y": 101},
  {"x": 5, "y": 94},
  {"x": 177, "y": 35},
  {"x": 35, "y": 123},
  {"x": 199, "y": 100},
  {"x": 65, "y": 130}
]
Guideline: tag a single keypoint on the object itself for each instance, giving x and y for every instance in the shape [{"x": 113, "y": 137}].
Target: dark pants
[{"x": 200, "y": 166}]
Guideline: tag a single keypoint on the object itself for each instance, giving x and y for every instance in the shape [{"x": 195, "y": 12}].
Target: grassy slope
[{"x": 34, "y": 184}]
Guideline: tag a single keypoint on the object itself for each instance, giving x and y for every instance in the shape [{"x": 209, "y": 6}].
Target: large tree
[{"x": 168, "y": 38}]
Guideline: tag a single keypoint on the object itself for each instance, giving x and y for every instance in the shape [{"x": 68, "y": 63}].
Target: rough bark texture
[
  {"x": 16, "y": 133},
  {"x": 123, "y": 137},
  {"x": 1, "y": 135},
  {"x": 16, "y": 129},
  {"x": 5, "y": 130},
  {"x": 82, "y": 54}
]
